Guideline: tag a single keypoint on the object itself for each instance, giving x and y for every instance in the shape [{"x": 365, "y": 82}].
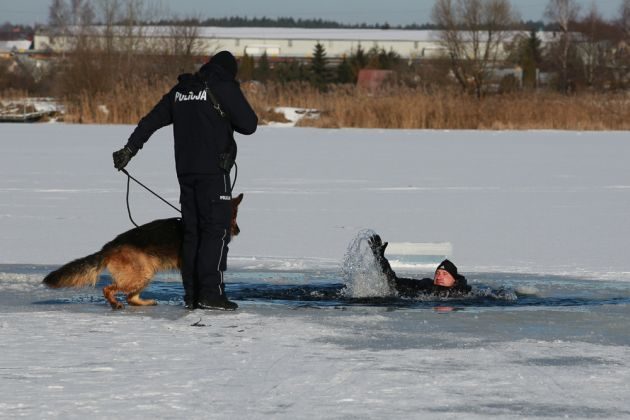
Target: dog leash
[
  {"x": 235, "y": 176},
  {"x": 129, "y": 178}
]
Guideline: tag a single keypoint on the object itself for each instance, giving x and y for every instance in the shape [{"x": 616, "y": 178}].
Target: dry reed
[
  {"x": 10, "y": 94},
  {"x": 346, "y": 106}
]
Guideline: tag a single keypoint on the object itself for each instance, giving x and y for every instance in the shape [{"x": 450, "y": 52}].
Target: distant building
[
  {"x": 275, "y": 42},
  {"x": 373, "y": 79},
  {"x": 7, "y": 48},
  {"x": 278, "y": 43}
]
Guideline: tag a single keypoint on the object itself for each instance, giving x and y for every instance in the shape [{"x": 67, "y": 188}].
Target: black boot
[
  {"x": 190, "y": 296},
  {"x": 220, "y": 303},
  {"x": 190, "y": 303},
  {"x": 191, "y": 291}
]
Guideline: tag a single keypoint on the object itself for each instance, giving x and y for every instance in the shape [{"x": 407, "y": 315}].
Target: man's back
[{"x": 201, "y": 134}]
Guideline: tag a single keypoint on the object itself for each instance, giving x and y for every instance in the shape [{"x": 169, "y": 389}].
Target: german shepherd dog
[{"x": 132, "y": 259}]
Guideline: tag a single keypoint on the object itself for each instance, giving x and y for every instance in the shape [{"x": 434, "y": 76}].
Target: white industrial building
[
  {"x": 300, "y": 43},
  {"x": 275, "y": 42}
]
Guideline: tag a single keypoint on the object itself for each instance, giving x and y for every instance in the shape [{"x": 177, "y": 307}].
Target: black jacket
[
  {"x": 416, "y": 287},
  {"x": 200, "y": 133}
]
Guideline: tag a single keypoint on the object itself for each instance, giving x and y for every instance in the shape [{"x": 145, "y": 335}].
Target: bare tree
[
  {"x": 58, "y": 14},
  {"x": 61, "y": 15},
  {"x": 183, "y": 38},
  {"x": 106, "y": 54},
  {"x": 624, "y": 12},
  {"x": 109, "y": 14},
  {"x": 182, "y": 44},
  {"x": 622, "y": 53},
  {"x": 123, "y": 24},
  {"x": 590, "y": 47},
  {"x": 473, "y": 35},
  {"x": 70, "y": 21},
  {"x": 135, "y": 13},
  {"x": 563, "y": 13},
  {"x": 81, "y": 13}
]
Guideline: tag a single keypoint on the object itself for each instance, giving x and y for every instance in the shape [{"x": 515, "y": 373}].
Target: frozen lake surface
[
  {"x": 503, "y": 295},
  {"x": 298, "y": 348},
  {"x": 537, "y": 221}
]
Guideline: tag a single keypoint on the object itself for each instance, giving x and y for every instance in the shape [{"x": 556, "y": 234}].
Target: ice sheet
[
  {"x": 510, "y": 203},
  {"x": 534, "y": 201}
]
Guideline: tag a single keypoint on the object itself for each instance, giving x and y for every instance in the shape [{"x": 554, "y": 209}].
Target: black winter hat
[
  {"x": 448, "y": 266},
  {"x": 226, "y": 60}
]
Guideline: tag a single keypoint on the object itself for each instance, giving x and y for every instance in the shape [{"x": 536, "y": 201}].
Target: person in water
[{"x": 446, "y": 281}]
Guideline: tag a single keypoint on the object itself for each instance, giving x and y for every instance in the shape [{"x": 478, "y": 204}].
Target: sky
[{"x": 394, "y": 12}]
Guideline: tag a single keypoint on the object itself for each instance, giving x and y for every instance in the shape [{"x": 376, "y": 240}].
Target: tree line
[
  {"x": 585, "y": 50},
  {"x": 320, "y": 71}
]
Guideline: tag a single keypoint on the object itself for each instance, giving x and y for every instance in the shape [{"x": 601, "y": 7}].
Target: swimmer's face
[{"x": 443, "y": 278}]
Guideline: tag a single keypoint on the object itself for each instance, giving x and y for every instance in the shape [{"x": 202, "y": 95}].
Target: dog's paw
[{"x": 117, "y": 305}]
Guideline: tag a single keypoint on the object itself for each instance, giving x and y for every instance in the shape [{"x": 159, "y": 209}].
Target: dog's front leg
[{"x": 110, "y": 294}]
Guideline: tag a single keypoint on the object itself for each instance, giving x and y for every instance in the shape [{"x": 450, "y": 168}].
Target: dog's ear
[{"x": 238, "y": 199}]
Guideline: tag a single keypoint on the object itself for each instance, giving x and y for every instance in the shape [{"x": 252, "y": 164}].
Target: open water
[{"x": 504, "y": 306}]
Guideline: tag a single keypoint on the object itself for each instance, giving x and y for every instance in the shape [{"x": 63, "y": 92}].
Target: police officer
[{"x": 204, "y": 108}]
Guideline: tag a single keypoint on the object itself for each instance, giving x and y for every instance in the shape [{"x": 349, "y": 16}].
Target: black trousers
[{"x": 206, "y": 216}]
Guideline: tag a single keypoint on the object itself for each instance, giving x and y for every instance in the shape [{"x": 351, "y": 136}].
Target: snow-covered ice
[
  {"x": 293, "y": 115},
  {"x": 542, "y": 213},
  {"x": 538, "y": 201}
]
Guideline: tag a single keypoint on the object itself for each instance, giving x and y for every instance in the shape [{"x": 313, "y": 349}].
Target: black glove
[
  {"x": 122, "y": 157},
  {"x": 378, "y": 247}
]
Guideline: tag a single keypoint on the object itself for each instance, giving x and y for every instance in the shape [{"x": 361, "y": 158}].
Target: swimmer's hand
[{"x": 377, "y": 246}]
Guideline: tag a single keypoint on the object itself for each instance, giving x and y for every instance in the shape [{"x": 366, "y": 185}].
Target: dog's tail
[{"x": 78, "y": 273}]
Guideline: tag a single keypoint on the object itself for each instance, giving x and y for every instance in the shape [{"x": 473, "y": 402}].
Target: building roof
[{"x": 315, "y": 34}]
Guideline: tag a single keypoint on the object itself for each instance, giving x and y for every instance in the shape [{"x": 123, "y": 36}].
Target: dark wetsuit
[{"x": 418, "y": 287}]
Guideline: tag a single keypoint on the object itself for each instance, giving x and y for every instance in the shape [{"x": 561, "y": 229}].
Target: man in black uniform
[
  {"x": 446, "y": 281},
  {"x": 204, "y": 108}
]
